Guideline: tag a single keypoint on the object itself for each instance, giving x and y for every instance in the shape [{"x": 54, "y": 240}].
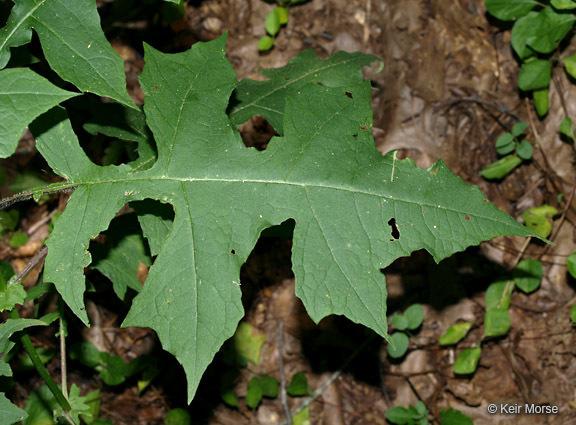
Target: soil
[{"x": 448, "y": 91}]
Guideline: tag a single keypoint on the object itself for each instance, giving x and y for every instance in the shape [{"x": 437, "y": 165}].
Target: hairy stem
[
  {"x": 282, "y": 377},
  {"x": 34, "y": 193}
]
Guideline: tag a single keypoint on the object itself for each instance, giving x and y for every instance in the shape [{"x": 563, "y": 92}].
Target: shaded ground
[{"x": 448, "y": 91}]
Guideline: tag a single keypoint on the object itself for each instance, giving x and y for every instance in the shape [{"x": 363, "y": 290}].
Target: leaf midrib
[{"x": 280, "y": 182}]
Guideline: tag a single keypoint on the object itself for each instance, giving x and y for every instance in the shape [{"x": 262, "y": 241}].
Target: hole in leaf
[
  {"x": 348, "y": 94},
  {"x": 257, "y": 132},
  {"x": 233, "y": 252},
  {"x": 156, "y": 219},
  {"x": 269, "y": 262},
  {"x": 395, "y": 233},
  {"x": 354, "y": 135},
  {"x": 122, "y": 253},
  {"x": 110, "y": 133}
]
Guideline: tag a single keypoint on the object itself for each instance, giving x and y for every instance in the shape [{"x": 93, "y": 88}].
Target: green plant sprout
[
  {"x": 178, "y": 416},
  {"x": 246, "y": 347},
  {"x": 505, "y": 145},
  {"x": 566, "y": 129},
  {"x": 274, "y": 20},
  {"x": 399, "y": 341},
  {"x": 418, "y": 415},
  {"x": 526, "y": 276},
  {"x": 540, "y": 219},
  {"x": 537, "y": 33}
]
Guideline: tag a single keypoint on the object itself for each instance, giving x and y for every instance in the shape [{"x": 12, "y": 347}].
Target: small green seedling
[
  {"x": 178, "y": 416},
  {"x": 259, "y": 387},
  {"x": 42, "y": 407},
  {"x": 453, "y": 417},
  {"x": 526, "y": 276},
  {"x": 496, "y": 317},
  {"x": 566, "y": 129},
  {"x": 418, "y": 415},
  {"x": 455, "y": 333},
  {"x": 414, "y": 415},
  {"x": 299, "y": 386},
  {"x": 571, "y": 264},
  {"x": 266, "y": 386},
  {"x": 274, "y": 20},
  {"x": 18, "y": 239},
  {"x": 410, "y": 320},
  {"x": 539, "y": 219},
  {"x": 467, "y": 361},
  {"x": 112, "y": 369},
  {"x": 506, "y": 145},
  {"x": 537, "y": 33},
  {"x": 8, "y": 220}
]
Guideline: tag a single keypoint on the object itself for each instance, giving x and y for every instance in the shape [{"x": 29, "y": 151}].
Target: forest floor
[{"x": 448, "y": 90}]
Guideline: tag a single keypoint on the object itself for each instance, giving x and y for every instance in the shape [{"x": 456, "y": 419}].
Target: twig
[
  {"x": 63, "y": 368},
  {"x": 283, "y": 399},
  {"x": 33, "y": 262},
  {"x": 560, "y": 94},
  {"x": 32, "y": 229},
  {"x": 473, "y": 99},
  {"x": 366, "y": 29},
  {"x": 520, "y": 253}
]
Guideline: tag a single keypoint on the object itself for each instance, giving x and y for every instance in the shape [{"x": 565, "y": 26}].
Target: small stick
[
  {"x": 283, "y": 399},
  {"x": 40, "y": 222},
  {"x": 63, "y": 371},
  {"x": 520, "y": 253},
  {"x": 473, "y": 99},
  {"x": 33, "y": 262}
]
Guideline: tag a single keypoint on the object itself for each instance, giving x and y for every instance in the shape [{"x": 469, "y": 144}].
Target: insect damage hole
[{"x": 395, "y": 233}]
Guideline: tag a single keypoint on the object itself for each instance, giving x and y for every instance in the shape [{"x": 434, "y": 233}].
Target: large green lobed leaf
[{"x": 325, "y": 173}]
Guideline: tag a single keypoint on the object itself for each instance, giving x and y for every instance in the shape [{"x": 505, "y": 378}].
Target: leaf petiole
[{"x": 35, "y": 194}]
